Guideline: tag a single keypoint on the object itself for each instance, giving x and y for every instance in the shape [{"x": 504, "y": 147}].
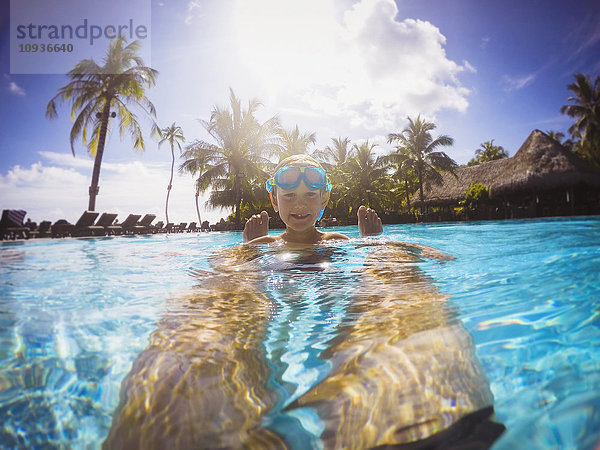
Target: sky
[{"x": 480, "y": 70}]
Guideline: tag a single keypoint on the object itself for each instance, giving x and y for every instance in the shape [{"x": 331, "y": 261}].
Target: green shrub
[{"x": 475, "y": 195}]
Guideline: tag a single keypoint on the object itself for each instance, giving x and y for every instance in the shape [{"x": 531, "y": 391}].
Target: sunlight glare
[{"x": 287, "y": 44}]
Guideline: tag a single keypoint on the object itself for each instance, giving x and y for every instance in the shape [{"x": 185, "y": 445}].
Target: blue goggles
[{"x": 290, "y": 177}]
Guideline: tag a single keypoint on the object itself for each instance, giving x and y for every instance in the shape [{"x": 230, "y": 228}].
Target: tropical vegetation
[
  {"x": 100, "y": 92},
  {"x": 416, "y": 142},
  {"x": 293, "y": 142},
  {"x": 488, "y": 152},
  {"x": 475, "y": 194},
  {"x": 365, "y": 178},
  {"x": 236, "y": 162},
  {"x": 585, "y": 108},
  {"x": 197, "y": 157}
]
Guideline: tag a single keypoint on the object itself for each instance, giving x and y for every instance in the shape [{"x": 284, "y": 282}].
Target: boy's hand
[
  {"x": 256, "y": 226},
  {"x": 369, "y": 223}
]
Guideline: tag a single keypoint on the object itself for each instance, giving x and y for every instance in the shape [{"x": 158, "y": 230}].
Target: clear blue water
[{"x": 74, "y": 315}]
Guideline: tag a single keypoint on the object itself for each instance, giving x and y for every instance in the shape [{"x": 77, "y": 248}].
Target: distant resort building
[{"x": 542, "y": 179}]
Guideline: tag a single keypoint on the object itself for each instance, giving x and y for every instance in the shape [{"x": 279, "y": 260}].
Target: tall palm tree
[
  {"x": 293, "y": 142},
  {"x": 173, "y": 135},
  {"x": 488, "y": 152},
  {"x": 241, "y": 141},
  {"x": 366, "y": 173},
  {"x": 95, "y": 89},
  {"x": 586, "y": 109},
  {"x": 337, "y": 155},
  {"x": 197, "y": 157},
  {"x": 420, "y": 146},
  {"x": 405, "y": 169}
]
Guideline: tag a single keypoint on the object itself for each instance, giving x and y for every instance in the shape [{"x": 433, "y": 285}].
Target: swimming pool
[{"x": 75, "y": 314}]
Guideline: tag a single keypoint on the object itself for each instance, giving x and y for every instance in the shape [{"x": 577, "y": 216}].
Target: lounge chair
[
  {"x": 106, "y": 221},
  {"x": 11, "y": 224},
  {"x": 181, "y": 227},
  {"x": 85, "y": 225},
  {"x": 145, "y": 225},
  {"x": 192, "y": 227},
  {"x": 43, "y": 230},
  {"x": 158, "y": 227},
  {"x": 169, "y": 227},
  {"x": 128, "y": 225}
]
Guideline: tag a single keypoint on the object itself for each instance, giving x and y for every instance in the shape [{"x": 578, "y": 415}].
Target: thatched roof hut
[{"x": 540, "y": 164}]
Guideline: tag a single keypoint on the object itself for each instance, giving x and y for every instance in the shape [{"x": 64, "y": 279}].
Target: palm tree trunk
[
  {"x": 407, "y": 193},
  {"x": 421, "y": 195},
  {"x": 170, "y": 184},
  {"x": 94, "y": 188},
  {"x": 198, "y": 209},
  {"x": 238, "y": 200}
]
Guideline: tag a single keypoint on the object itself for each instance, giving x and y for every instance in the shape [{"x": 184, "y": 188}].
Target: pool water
[{"x": 75, "y": 314}]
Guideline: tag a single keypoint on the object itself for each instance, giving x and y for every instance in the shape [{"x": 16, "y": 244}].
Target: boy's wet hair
[{"x": 299, "y": 160}]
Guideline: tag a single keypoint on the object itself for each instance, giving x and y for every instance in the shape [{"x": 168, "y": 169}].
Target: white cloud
[
  {"x": 468, "y": 67},
  {"x": 517, "y": 83},
  {"x": 484, "y": 42},
  {"x": 67, "y": 159},
  {"x": 197, "y": 10},
  {"x": 15, "y": 89},
  {"x": 365, "y": 66},
  {"x": 59, "y": 190},
  {"x": 192, "y": 9}
]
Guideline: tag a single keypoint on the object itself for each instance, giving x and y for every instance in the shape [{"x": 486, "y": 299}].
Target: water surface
[{"x": 75, "y": 314}]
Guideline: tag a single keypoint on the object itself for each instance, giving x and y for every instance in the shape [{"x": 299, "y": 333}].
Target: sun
[{"x": 287, "y": 44}]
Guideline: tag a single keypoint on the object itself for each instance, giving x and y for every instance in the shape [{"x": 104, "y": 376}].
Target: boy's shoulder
[
  {"x": 264, "y": 240},
  {"x": 333, "y": 235}
]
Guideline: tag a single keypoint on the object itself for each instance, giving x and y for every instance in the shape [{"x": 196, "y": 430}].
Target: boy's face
[{"x": 299, "y": 208}]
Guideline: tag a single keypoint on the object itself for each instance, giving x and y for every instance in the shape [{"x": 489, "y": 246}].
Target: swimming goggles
[{"x": 291, "y": 176}]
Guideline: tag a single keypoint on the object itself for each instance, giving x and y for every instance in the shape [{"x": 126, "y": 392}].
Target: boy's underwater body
[{"x": 402, "y": 371}]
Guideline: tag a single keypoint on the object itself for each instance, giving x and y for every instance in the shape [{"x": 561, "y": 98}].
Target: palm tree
[
  {"x": 172, "y": 135},
  {"x": 95, "y": 89},
  {"x": 337, "y": 155},
  {"x": 488, "y": 152},
  {"x": 293, "y": 142},
  {"x": 558, "y": 136},
  {"x": 238, "y": 155},
  {"x": 586, "y": 109},
  {"x": 365, "y": 173},
  {"x": 197, "y": 157},
  {"x": 405, "y": 169},
  {"x": 416, "y": 139},
  {"x": 335, "y": 159}
]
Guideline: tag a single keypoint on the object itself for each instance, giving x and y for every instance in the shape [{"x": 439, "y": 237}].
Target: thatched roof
[{"x": 540, "y": 164}]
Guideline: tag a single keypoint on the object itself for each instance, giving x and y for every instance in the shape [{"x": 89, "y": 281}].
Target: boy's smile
[{"x": 300, "y": 216}]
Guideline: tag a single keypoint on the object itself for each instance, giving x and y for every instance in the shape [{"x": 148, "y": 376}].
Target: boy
[
  {"x": 299, "y": 192},
  {"x": 402, "y": 370}
]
